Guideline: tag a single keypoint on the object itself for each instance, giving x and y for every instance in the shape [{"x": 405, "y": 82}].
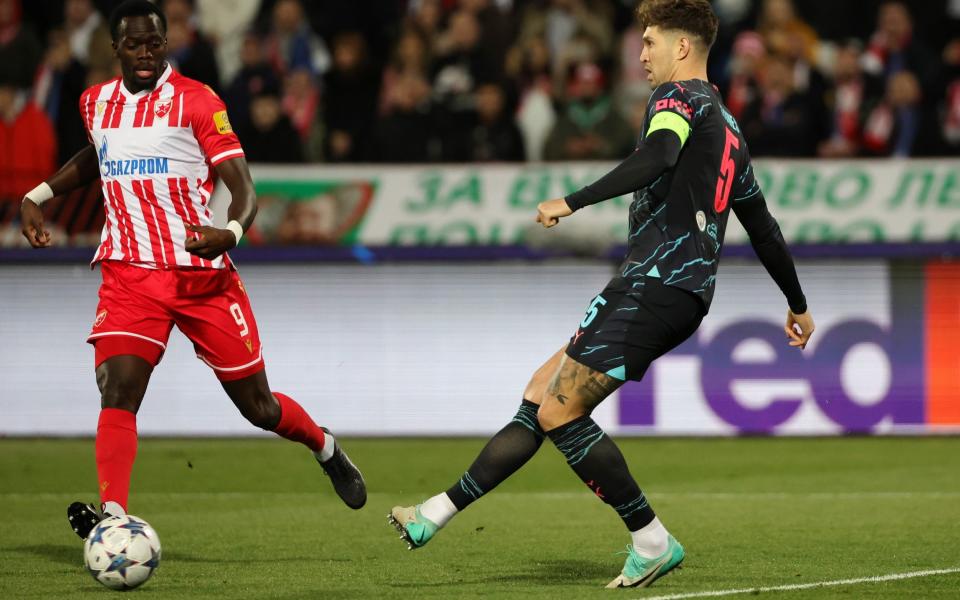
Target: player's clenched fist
[
  {"x": 550, "y": 212},
  {"x": 32, "y": 219},
  {"x": 799, "y": 328},
  {"x": 211, "y": 242}
]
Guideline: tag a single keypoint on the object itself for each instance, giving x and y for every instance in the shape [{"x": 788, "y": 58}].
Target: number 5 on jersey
[
  {"x": 728, "y": 168},
  {"x": 592, "y": 311}
]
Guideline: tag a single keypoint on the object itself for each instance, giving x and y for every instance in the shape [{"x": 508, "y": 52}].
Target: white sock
[
  {"x": 329, "y": 445},
  {"x": 651, "y": 540},
  {"x": 113, "y": 509},
  {"x": 438, "y": 509}
]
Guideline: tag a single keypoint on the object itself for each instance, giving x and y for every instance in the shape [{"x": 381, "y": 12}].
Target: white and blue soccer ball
[{"x": 122, "y": 552}]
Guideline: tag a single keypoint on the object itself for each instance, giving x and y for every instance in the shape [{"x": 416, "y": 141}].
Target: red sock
[
  {"x": 116, "y": 447},
  {"x": 296, "y": 425}
]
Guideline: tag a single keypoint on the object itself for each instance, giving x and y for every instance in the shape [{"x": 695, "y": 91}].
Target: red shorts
[{"x": 138, "y": 308}]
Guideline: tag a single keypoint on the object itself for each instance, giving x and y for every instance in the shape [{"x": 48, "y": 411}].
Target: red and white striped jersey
[{"x": 157, "y": 149}]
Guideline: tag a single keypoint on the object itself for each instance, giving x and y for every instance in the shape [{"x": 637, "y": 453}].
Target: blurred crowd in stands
[{"x": 335, "y": 81}]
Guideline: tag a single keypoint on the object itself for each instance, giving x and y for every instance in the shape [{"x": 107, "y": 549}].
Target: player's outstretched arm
[
  {"x": 82, "y": 169},
  {"x": 658, "y": 152},
  {"x": 214, "y": 241},
  {"x": 771, "y": 249}
]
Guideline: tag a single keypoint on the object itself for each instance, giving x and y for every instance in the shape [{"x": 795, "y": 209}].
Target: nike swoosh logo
[{"x": 649, "y": 577}]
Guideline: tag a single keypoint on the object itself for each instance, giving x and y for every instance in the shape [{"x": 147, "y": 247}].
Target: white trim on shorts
[
  {"x": 229, "y": 369},
  {"x": 136, "y": 335}
]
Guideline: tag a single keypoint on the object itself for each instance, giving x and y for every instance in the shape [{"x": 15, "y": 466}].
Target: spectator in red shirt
[
  {"x": 900, "y": 125},
  {"x": 894, "y": 48},
  {"x": 748, "y": 55},
  {"x": 854, "y": 94},
  {"x": 951, "y": 108},
  {"x": 28, "y": 146}
]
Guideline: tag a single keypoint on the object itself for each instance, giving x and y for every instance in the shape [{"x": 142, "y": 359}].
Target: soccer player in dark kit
[{"x": 689, "y": 169}]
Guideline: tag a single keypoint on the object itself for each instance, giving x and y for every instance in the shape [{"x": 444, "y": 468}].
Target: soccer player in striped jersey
[
  {"x": 690, "y": 168},
  {"x": 156, "y": 139}
]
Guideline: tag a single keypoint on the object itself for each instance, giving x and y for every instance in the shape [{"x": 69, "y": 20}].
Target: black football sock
[
  {"x": 506, "y": 452},
  {"x": 598, "y": 462}
]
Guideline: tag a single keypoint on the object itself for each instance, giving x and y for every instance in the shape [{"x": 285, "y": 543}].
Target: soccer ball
[{"x": 122, "y": 552}]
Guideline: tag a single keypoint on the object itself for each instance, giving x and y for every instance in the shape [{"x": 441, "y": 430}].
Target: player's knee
[
  {"x": 534, "y": 390},
  {"x": 553, "y": 414},
  {"x": 122, "y": 392},
  {"x": 263, "y": 411}
]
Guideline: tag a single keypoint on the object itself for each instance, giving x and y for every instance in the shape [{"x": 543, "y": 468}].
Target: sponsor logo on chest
[{"x": 137, "y": 166}]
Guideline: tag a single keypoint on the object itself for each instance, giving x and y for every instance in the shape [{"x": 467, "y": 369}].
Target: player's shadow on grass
[
  {"x": 71, "y": 555},
  {"x": 545, "y": 572},
  {"x": 185, "y": 558}
]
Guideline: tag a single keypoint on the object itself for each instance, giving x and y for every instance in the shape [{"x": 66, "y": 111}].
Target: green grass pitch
[{"x": 256, "y": 518}]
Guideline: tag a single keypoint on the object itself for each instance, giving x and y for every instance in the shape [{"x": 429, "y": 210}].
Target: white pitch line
[
  {"x": 753, "y": 495},
  {"x": 806, "y": 586},
  {"x": 654, "y": 495}
]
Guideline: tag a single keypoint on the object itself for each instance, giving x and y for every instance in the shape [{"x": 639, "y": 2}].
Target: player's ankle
[
  {"x": 329, "y": 445},
  {"x": 651, "y": 540},
  {"x": 112, "y": 508},
  {"x": 439, "y": 509}
]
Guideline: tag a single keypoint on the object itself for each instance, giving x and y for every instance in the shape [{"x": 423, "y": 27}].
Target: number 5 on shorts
[
  {"x": 593, "y": 310},
  {"x": 238, "y": 317}
]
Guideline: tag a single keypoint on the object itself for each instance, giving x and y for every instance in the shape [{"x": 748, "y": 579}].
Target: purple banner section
[
  {"x": 902, "y": 343},
  {"x": 368, "y": 254}
]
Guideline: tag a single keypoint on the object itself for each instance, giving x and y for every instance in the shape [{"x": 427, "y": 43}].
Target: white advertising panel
[{"x": 447, "y": 350}]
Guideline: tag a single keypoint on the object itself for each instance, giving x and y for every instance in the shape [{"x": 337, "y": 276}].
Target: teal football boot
[
  {"x": 416, "y": 529},
  {"x": 641, "y": 572}
]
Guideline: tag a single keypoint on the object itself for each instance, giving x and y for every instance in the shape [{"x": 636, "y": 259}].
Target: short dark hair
[
  {"x": 693, "y": 16},
  {"x": 134, "y": 8}
]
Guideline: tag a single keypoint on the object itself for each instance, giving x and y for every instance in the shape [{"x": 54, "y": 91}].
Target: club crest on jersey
[
  {"x": 100, "y": 318},
  {"x": 100, "y": 107},
  {"x": 222, "y": 122},
  {"x": 701, "y": 220},
  {"x": 162, "y": 107}
]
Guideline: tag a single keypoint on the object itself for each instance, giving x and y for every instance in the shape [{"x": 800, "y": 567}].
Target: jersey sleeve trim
[
  {"x": 672, "y": 122},
  {"x": 749, "y": 194},
  {"x": 219, "y": 158}
]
